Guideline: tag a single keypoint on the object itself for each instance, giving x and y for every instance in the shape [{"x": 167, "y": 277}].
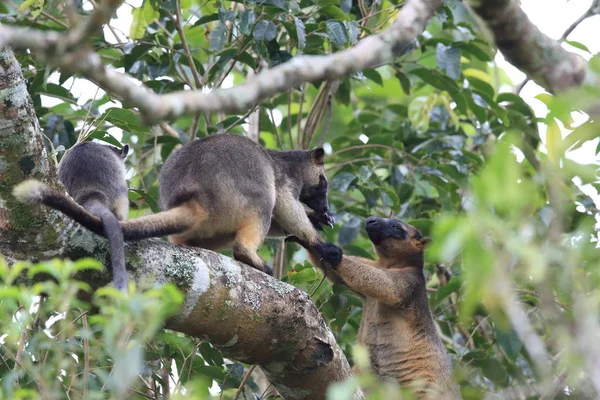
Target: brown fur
[{"x": 397, "y": 326}]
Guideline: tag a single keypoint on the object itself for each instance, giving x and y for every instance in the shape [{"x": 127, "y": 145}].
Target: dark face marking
[
  {"x": 121, "y": 152},
  {"x": 315, "y": 197},
  {"x": 317, "y": 156},
  {"x": 397, "y": 241},
  {"x": 379, "y": 229},
  {"x": 124, "y": 151}
]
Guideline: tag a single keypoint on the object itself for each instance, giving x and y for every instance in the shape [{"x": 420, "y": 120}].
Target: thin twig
[
  {"x": 168, "y": 129},
  {"x": 20, "y": 349},
  {"x": 299, "y": 139},
  {"x": 289, "y": 120},
  {"x": 195, "y": 73},
  {"x": 243, "y": 117},
  {"x": 381, "y": 146},
  {"x": 244, "y": 380},
  {"x": 275, "y": 131},
  {"x": 318, "y": 286},
  {"x": 86, "y": 357},
  {"x": 186, "y": 48}
]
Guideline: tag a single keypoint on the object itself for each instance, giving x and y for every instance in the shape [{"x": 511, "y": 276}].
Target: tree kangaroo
[
  {"x": 94, "y": 176},
  {"x": 397, "y": 326},
  {"x": 226, "y": 191}
]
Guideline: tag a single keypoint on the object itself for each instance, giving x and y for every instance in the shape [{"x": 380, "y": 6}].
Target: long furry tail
[
  {"x": 113, "y": 232},
  {"x": 175, "y": 220},
  {"x": 164, "y": 223},
  {"x": 35, "y": 192}
]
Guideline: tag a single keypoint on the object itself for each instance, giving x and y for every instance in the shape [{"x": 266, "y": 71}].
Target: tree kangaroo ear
[
  {"x": 317, "y": 155},
  {"x": 124, "y": 150},
  {"x": 424, "y": 241}
]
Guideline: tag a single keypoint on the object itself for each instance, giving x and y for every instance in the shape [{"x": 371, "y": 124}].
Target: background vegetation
[{"x": 435, "y": 139}]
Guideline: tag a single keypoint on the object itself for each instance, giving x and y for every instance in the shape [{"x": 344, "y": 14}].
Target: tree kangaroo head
[
  {"x": 399, "y": 243},
  {"x": 314, "y": 182}
]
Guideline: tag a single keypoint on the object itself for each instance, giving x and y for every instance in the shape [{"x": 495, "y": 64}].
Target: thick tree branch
[
  {"x": 250, "y": 316},
  {"x": 372, "y": 51},
  {"x": 527, "y": 48}
]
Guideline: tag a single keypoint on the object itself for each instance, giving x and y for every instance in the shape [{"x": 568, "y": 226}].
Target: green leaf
[
  {"x": 373, "y": 75},
  {"x": 215, "y": 373},
  {"x": 277, "y": 3},
  {"x": 206, "y": 19},
  {"x": 265, "y": 31},
  {"x": 580, "y": 135},
  {"x": 349, "y": 231},
  {"x": 226, "y": 15},
  {"x": 366, "y": 117},
  {"x": 142, "y": 17},
  {"x": 494, "y": 370},
  {"x": 54, "y": 90},
  {"x": 482, "y": 86},
  {"x": 300, "y": 33},
  {"x": 444, "y": 291},
  {"x": 306, "y": 275},
  {"x": 335, "y": 12},
  {"x": 124, "y": 119},
  {"x": 424, "y": 225},
  {"x": 341, "y": 182},
  {"x": 352, "y": 27},
  {"x": 357, "y": 251},
  {"x": 578, "y": 45},
  {"x": 509, "y": 341},
  {"x": 441, "y": 82},
  {"x": 218, "y": 37},
  {"x": 279, "y": 57},
  {"x": 224, "y": 57},
  {"x": 105, "y": 137},
  {"x": 346, "y": 5},
  {"x": 448, "y": 60},
  {"x": 474, "y": 50},
  {"x": 336, "y": 31},
  {"x": 554, "y": 141},
  {"x": 404, "y": 81},
  {"x": 247, "y": 22}
]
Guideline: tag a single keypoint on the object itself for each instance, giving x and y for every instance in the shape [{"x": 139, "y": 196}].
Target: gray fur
[{"x": 94, "y": 175}]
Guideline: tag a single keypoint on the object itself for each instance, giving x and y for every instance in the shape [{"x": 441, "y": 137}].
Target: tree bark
[
  {"x": 250, "y": 316},
  {"x": 541, "y": 58}
]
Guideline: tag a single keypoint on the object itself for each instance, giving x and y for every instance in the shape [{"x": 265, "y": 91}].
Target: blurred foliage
[
  {"x": 436, "y": 139},
  {"x": 54, "y": 344}
]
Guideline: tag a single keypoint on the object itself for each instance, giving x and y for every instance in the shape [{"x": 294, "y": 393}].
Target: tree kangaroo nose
[{"x": 371, "y": 221}]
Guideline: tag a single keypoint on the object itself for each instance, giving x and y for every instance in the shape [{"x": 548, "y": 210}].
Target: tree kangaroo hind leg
[
  {"x": 191, "y": 211},
  {"x": 251, "y": 234}
]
